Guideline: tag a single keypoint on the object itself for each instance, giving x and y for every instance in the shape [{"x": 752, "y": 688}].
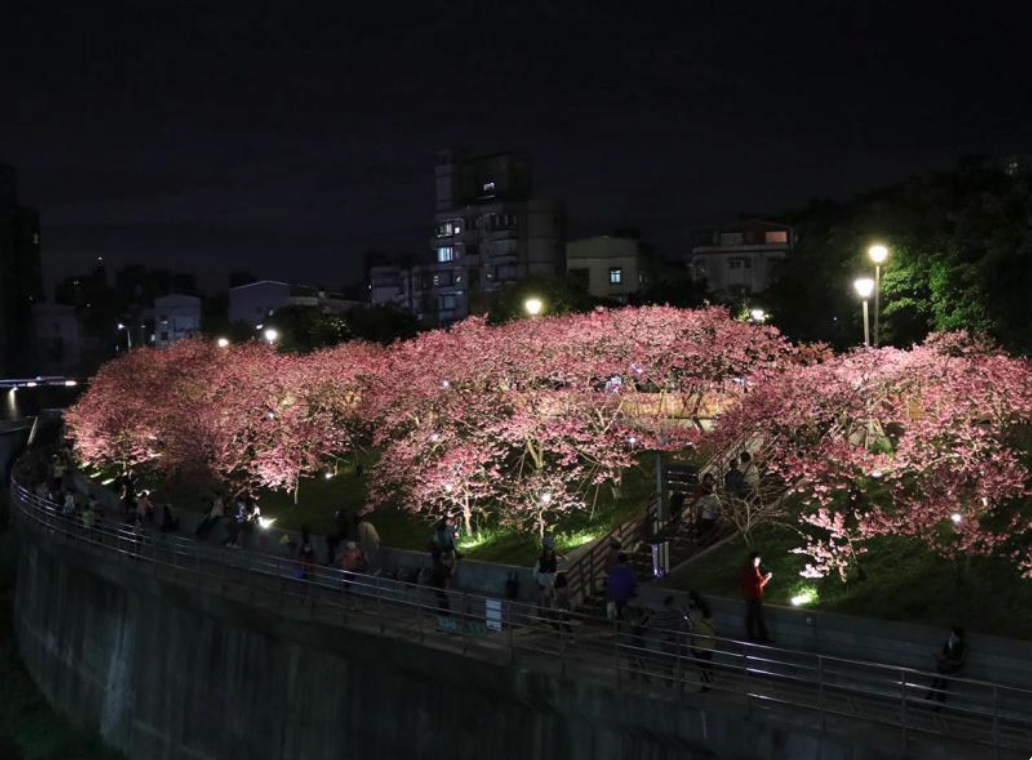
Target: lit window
[
  {"x": 445, "y": 253},
  {"x": 777, "y": 236},
  {"x": 615, "y": 275}
]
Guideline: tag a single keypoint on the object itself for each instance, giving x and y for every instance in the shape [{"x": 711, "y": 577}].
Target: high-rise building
[
  {"x": 489, "y": 230},
  {"x": 21, "y": 280}
]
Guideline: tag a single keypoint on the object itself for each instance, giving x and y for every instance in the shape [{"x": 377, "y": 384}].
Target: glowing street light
[
  {"x": 222, "y": 342},
  {"x": 533, "y": 306},
  {"x": 957, "y": 518},
  {"x": 878, "y": 254},
  {"x": 128, "y": 335},
  {"x": 271, "y": 334},
  {"x": 546, "y": 498},
  {"x": 758, "y": 315},
  {"x": 864, "y": 287}
]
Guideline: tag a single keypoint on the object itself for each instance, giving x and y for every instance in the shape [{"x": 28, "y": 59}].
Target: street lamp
[
  {"x": 533, "y": 306},
  {"x": 222, "y": 342},
  {"x": 878, "y": 254},
  {"x": 128, "y": 335},
  {"x": 271, "y": 334},
  {"x": 758, "y": 315},
  {"x": 864, "y": 287}
]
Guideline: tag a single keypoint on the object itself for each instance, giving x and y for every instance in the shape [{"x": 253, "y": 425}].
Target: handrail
[{"x": 981, "y": 712}]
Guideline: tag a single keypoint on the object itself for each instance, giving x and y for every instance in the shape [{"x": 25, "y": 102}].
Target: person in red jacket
[{"x": 753, "y": 582}]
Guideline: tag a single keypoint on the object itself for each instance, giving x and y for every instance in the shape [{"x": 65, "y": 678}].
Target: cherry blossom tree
[
  {"x": 922, "y": 443},
  {"x": 529, "y": 419}
]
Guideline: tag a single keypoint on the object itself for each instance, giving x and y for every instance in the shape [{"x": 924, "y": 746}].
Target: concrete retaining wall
[{"x": 166, "y": 672}]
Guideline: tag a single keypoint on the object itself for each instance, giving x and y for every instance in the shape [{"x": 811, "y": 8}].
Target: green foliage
[
  {"x": 560, "y": 295},
  {"x": 960, "y": 258},
  {"x": 304, "y": 329},
  {"x": 380, "y": 323}
]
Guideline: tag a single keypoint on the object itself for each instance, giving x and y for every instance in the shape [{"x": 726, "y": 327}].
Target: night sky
[{"x": 289, "y": 138}]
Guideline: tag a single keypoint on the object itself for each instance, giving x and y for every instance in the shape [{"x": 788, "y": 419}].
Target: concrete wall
[
  {"x": 13, "y": 436},
  {"x": 167, "y": 672}
]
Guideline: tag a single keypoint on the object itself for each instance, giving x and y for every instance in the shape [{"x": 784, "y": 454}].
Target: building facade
[
  {"x": 173, "y": 318},
  {"x": 57, "y": 339},
  {"x": 742, "y": 259},
  {"x": 254, "y": 302},
  {"x": 489, "y": 230},
  {"x": 608, "y": 266},
  {"x": 21, "y": 280}
]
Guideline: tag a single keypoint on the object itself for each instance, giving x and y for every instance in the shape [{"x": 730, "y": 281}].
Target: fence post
[
  {"x": 996, "y": 720},
  {"x": 509, "y": 633},
  {"x": 903, "y": 705},
  {"x": 820, "y": 688},
  {"x": 379, "y": 603}
]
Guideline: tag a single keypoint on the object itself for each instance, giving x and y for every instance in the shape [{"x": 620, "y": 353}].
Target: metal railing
[{"x": 913, "y": 702}]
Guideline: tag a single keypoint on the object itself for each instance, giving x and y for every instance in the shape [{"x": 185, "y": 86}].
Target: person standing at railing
[
  {"x": 949, "y": 662},
  {"x": 703, "y": 641},
  {"x": 368, "y": 541},
  {"x": 445, "y": 557},
  {"x": 306, "y": 554},
  {"x": 215, "y": 513},
  {"x": 754, "y": 581},
  {"x": 546, "y": 569}
]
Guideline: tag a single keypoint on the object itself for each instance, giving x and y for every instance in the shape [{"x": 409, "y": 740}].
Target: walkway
[{"x": 759, "y": 677}]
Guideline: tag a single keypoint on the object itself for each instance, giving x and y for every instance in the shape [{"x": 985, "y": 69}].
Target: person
[
  {"x": 621, "y": 586},
  {"x": 707, "y": 506},
  {"x": 215, "y": 513},
  {"x": 612, "y": 553},
  {"x": 671, "y": 625},
  {"x": 129, "y": 503},
  {"x": 341, "y": 534},
  {"x": 948, "y": 662},
  {"x": 734, "y": 480},
  {"x": 68, "y": 508},
  {"x": 353, "y": 559},
  {"x": 754, "y": 580},
  {"x": 750, "y": 474},
  {"x": 639, "y": 618},
  {"x": 368, "y": 542},
  {"x": 306, "y": 554},
  {"x": 444, "y": 557},
  {"x": 89, "y": 515},
  {"x": 145, "y": 507},
  {"x": 703, "y": 641},
  {"x": 236, "y": 522},
  {"x": 252, "y": 514},
  {"x": 563, "y": 606},
  {"x": 546, "y": 569},
  {"x": 169, "y": 519}
]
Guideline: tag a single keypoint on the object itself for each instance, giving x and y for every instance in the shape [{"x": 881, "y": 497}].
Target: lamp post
[
  {"x": 864, "y": 287},
  {"x": 878, "y": 254},
  {"x": 271, "y": 334},
  {"x": 533, "y": 306},
  {"x": 128, "y": 335}
]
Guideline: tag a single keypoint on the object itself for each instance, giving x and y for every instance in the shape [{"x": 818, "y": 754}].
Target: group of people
[
  {"x": 702, "y": 513},
  {"x": 241, "y": 519}
]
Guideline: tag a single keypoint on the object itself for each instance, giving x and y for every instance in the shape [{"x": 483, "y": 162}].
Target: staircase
[{"x": 676, "y": 539}]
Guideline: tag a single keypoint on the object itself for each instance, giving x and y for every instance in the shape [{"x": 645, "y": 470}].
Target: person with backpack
[{"x": 703, "y": 638}]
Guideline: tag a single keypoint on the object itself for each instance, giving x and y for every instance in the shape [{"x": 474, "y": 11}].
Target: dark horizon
[{"x": 261, "y": 139}]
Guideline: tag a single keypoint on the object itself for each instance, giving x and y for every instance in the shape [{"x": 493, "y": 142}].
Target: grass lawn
[
  {"x": 29, "y": 728},
  {"x": 905, "y": 581},
  {"x": 319, "y": 498}
]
